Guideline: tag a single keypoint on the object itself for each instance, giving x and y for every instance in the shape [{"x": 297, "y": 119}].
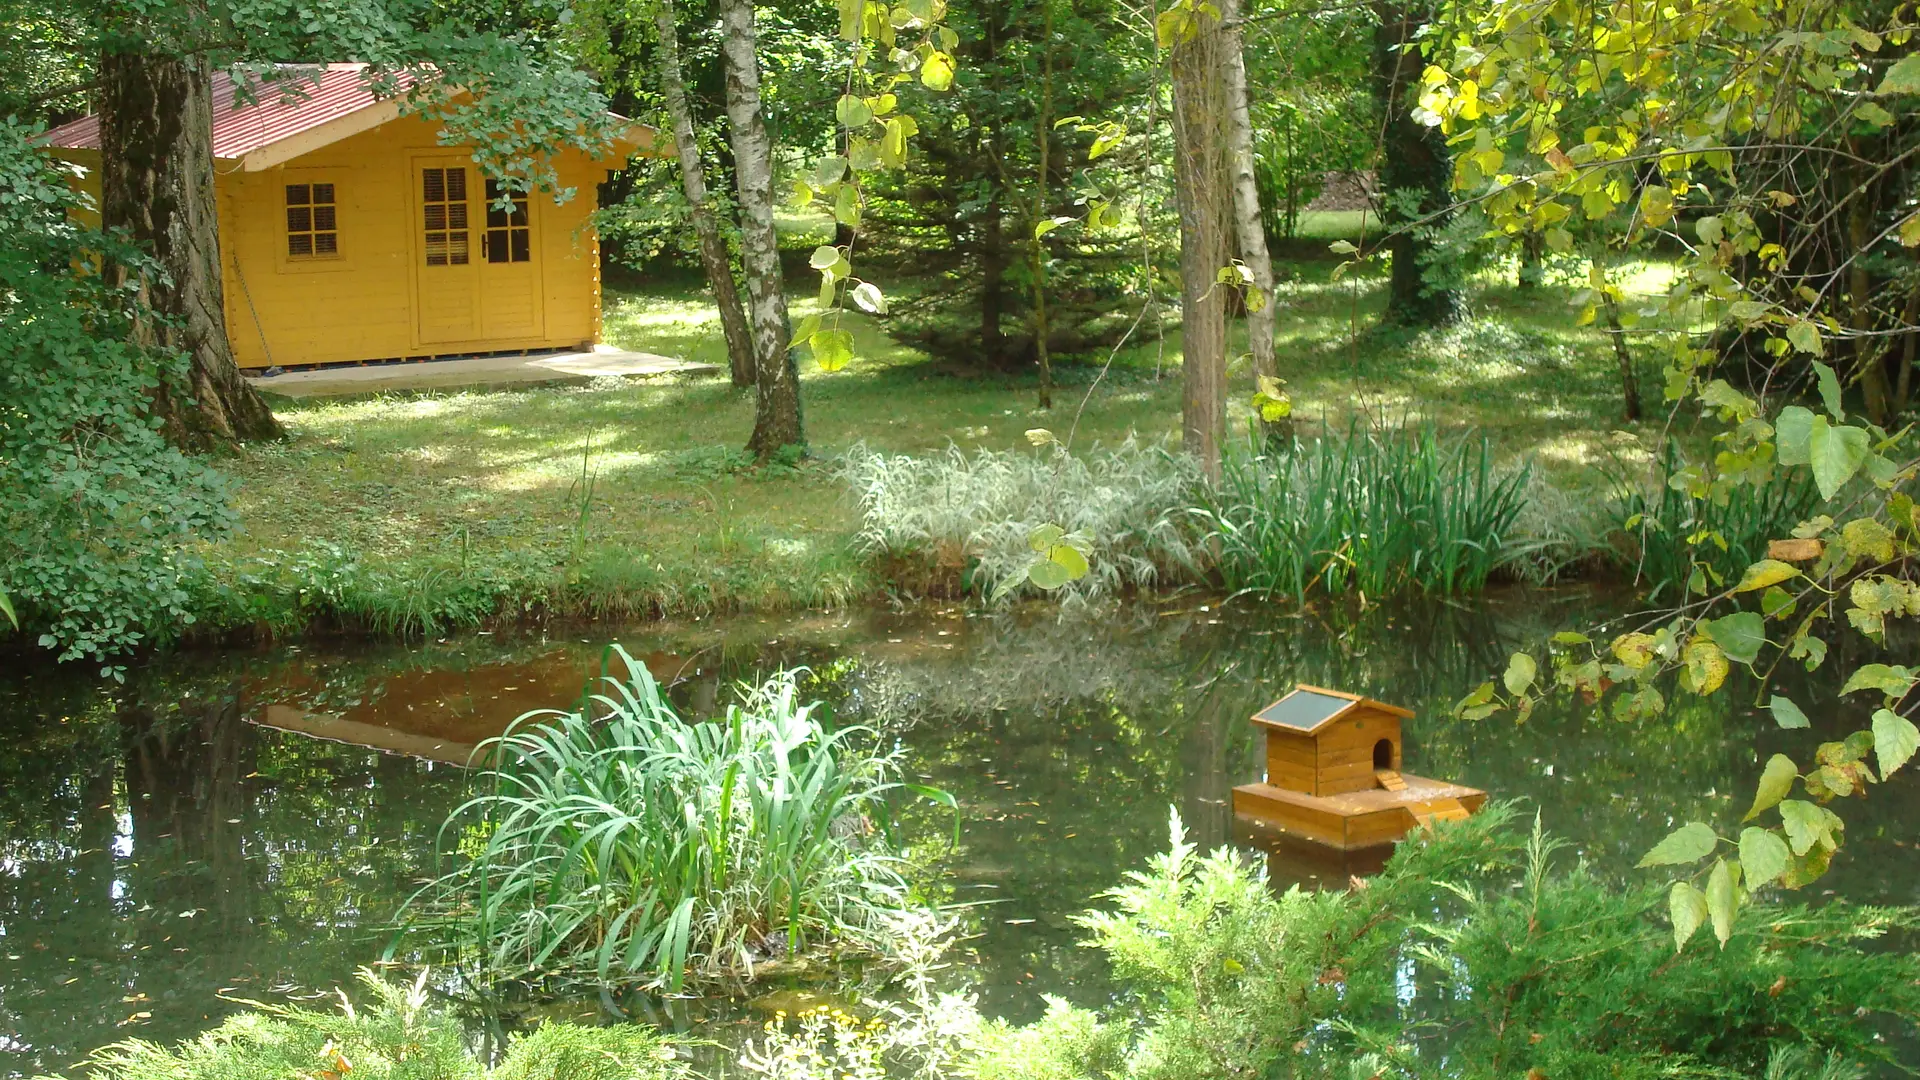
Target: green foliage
[
  {"x": 1501, "y": 957},
  {"x": 395, "y": 1036},
  {"x": 1380, "y": 513},
  {"x": 1680, "y": 534},
  {"x": 621, "y": 843},
  {"x": 99, "y": 518},
  {"x": 1117, "y": 512}
]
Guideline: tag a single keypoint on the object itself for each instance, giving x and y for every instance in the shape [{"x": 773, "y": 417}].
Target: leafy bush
[
  {"x": 970, "y": 517},
  {"x": 99, "y": 517},
  {"x": 621, "y": 842},
  {"x": 1473, "y": 954},
  {"x": 396, "y": 1036},
  {"x": 1387, "y": 512}
]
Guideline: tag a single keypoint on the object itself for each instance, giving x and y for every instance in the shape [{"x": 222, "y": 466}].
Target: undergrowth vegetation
[
  {"x": 1380, "y": 513},
  {"x": 966, "y": 519},
  {"x": 624, "y": 844}
]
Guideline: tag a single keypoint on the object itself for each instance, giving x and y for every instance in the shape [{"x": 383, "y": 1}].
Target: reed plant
[
  {"x": 1387, "y": 512},
  {"x": 624, "y": 844},
  {"x": 966, "y": 519},
  {"x": 1671, "y": 534}
]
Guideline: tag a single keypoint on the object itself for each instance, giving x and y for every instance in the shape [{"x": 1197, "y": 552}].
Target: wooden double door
[{"x": 476, "y": 265}]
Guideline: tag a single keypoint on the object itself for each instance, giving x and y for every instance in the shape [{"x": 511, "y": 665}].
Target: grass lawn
[{"x": 406, "y": 511}]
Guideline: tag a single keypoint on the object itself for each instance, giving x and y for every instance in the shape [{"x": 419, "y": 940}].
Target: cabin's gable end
[{"x": 1348, "y": 752}]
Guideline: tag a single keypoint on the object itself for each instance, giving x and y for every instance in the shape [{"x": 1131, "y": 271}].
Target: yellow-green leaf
[
  {"x": 1687, "y": 907},
  {"x": 1895, "y": 738},
  {"x": 1786, "y": 714},
  {"x": 1521, "y": 668},
  {"x": 1689, "y": 843},
  {"x": 936, "y": 71},
  {"x": 1070, "y": 559},
  {"x": 1763, "y": 856},
  {"x": 832, "y": 349},
  {"x": 1721, "y": 900},
  {"x": 1776, "y": 783},
  {"x": 1764, "y": 573}
]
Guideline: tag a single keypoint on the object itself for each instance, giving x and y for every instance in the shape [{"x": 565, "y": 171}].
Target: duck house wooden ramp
[{"x": 1333, "y": 773}]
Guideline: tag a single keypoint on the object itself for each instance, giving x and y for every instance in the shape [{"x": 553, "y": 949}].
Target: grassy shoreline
[{"x": 416, "y": 513}]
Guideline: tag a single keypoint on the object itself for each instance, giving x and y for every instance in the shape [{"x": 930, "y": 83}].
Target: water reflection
[{"x": 212, "y": 828}]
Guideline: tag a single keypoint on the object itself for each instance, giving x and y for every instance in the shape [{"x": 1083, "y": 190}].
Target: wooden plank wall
[
  {"x": 1344, "y": 761},
  {"x": 1291, "y": 761},
  {"x": 360, "y": 306}
]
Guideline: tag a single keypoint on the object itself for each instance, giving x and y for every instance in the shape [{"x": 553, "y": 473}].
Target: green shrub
[
  {"x": 395, "y": 1036},
  {"x": 622, "y": 843},
  {"x": 971, "y": 515},
  {"x": 1476, "y": 953},
  {"x": 100, "y": 519},
  {"x": 1378, "y": 512}
]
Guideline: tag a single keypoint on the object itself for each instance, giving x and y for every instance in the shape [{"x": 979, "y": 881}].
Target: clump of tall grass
[
  {"x": 1378, "y": 512},
  {"x": 1668, "y": 533},
  {"x": 624, "y": 844},
  {"x": 394, "y": 1035},
  {"x": 969, "y": 517}
]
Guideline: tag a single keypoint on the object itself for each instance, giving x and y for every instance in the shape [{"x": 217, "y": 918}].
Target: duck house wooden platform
[{"x": 1333, "y": 773}]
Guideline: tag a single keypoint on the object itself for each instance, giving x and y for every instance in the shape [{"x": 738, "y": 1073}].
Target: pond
[{"x": 219, "y": 825}]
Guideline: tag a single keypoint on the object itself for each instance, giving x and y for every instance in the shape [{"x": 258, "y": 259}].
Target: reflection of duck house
[{"x": 1333, "y": 773}]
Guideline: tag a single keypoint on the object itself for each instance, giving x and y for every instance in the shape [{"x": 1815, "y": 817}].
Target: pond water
[{"x": 219, "y": 825}]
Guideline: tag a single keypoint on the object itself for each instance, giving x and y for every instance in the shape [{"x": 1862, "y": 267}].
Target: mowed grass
[{"x": 412, "y": 511}]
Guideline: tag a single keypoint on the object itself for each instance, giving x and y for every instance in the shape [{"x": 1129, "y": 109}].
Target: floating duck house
[{"x": 1333, "y": 773}]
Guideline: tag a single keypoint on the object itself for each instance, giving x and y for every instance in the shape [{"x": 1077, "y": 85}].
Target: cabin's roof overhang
[
  {"x": 307, "y": 108},
  {"x": 1309, "y": 708}
]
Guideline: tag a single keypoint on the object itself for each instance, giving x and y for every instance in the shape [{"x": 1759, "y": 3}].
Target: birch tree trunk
[
  {"x": 1202, "y": 167},
  {"x": 693, "y": 180},
  {"x": 777, "y": 421},
  {"x": 156, "y": 182},
  {"x": 1250, "y": 236}
]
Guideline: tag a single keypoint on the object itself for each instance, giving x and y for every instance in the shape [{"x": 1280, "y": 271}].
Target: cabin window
[
  {"x": 444, "y": 197},
  {"x": 507, "y": 238},
  {"x": 313, "y": 229}
]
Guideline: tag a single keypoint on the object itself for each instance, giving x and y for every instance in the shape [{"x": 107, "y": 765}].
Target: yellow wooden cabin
[
  {"x": 348, "y": 233},
  {"x": 1333, "y": 773}
]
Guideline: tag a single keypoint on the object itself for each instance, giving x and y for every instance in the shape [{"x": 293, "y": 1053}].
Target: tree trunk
[
  {"x": 1251, "y": 236},
  {"x": 1533, "y": 255},
  {"x": 1042, "y": 133},
  {"x": 1868, "y": 365},
  {"x": 693, "y": 180},
  {"x": 1202, "y": 170},
  {"x": 777, "y": 420},
  {"x": 1415, "y": 175},
  {"x": 993, "y": 280},
  {"x": 1629, "y": 375},
  {"x": 156, "y": 182}
]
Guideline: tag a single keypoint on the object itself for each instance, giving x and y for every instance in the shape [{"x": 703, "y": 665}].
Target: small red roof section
[
  {"x": 325, "y": 102},
  {"x": 330, "y": 92},
  {"x": 1310, "y": 708}
]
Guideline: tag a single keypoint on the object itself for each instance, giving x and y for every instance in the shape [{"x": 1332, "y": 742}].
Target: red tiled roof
[{"x": 331, "y": 92}]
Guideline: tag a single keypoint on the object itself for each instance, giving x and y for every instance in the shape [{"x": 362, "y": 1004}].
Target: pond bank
[{"x": 167, "y": 843}]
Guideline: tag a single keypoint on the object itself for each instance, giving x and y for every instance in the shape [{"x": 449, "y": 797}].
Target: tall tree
[
  {"x": 777, "y": 421},
  {"x": 1249, "y": 235},
  {"x": 1416, "y": 176},
  {"x": 693, "y": 181},
  {"x": 1202, "y": 176},
  {"x": 156, "y": 183}
]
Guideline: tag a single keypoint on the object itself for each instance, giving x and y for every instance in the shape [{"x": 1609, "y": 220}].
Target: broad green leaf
[
  {"x": 1792, "y": 430},
  {"x": 1521, "y": 669},
  {"x": 1070, "y": 559},
  {"x": 1482, "y": 694},
  {"x": 1043, "y": 538},
  {"x": 1895, "y": 738},
  {"x": 1764, "y": 573},
  {"x": 1689, "y": 843},
  {"x": 936, "y": 71},
  {"x": 1042, "y": 228},
  {"x": 846, "y": 206},
  {"x": 1706, "y": 666},
  {"x": 809, "y": 326},
  {"x": 1778, "y": 603},
  {"x": 1836, "y": 453},
  {"x": 1776, "y": 783},
  {"x": 851, "y": 17},
  {"x": 1687, "y": 907},
  {"x": 824, "y": 257},
  {"x": 852, "y": 111},
  {"x": 829, "y": 171},
  {"x": 1342, "y": 247},
  {"x": 1739, "y": 635},
  {"x": 1721, "y": 900},
  {"x": 1048, "y": 574},
  {"x": 1763, "y": 856},
  {"x": 867, "y": 297},
  {"x": 1786, "y": 714},
  {"x": 1829, "y": 391},
  {"x": 1806, "y": 824},
  {"x": 1805, "y": 336},
  {"x": 832, "y": 349},
  {"x": 1903, "y": 77},
  {"x": 1889, "y": 679}
]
